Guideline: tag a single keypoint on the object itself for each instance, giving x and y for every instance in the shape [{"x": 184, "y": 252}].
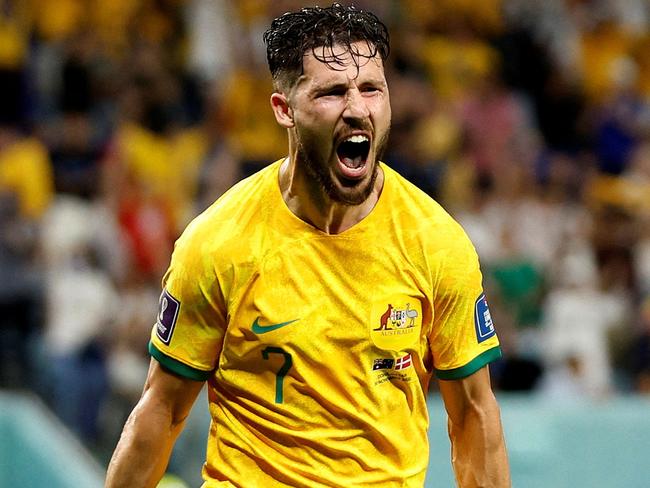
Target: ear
[{"x": 281, "y": 109}]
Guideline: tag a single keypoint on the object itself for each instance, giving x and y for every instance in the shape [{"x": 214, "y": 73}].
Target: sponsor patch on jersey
[
  {"x": 395, "y": 322},
  {"x": 168, "y": 308},
  {"x": 483, "y": 320}
]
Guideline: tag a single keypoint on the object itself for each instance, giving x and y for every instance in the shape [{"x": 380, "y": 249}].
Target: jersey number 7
[{"x": 282, "y": 372}]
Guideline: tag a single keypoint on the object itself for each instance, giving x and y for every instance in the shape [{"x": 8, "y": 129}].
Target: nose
[{"x": 356, "y": 107}]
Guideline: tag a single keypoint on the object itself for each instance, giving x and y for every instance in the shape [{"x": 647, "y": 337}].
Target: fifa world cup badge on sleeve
[
  {"x": 168, "y": 308},
  {"x": 483, "y": 320}
]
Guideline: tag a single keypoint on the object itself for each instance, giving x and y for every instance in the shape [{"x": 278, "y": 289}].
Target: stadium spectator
[
  {"x": 639, "y": 351},
  {"x": 579, "y": 313},
  {"x": 26, "y": 189},
  {"x": 81, "y": 301}
]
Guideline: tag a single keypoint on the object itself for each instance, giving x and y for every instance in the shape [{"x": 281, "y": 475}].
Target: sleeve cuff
[
  {"x": 176, "y": 366},
  {"x": 472, "y": 367}
]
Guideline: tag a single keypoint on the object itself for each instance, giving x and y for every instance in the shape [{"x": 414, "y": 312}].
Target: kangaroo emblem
[{"x": 383, "y": 322}]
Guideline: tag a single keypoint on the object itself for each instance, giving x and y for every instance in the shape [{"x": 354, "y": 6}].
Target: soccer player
[{"x": 318, "y": 297}]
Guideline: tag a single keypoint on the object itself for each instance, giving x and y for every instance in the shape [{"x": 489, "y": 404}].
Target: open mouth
[{"x": 353, "y": 154}]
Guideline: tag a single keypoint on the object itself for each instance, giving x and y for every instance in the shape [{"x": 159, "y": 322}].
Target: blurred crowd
[{"x": 120, "y": 121}]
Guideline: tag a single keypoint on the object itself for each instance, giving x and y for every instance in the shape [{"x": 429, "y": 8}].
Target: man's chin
[
  {"x": 333, "y": 184},
  {"x": 351, "y": 192}
]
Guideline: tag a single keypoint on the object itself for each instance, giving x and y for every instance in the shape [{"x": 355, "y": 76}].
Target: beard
[{"x": 347, "y": 192}]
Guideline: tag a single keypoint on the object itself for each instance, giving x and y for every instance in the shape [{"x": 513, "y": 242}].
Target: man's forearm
[
  {"x": 142, "y": 454},
  {"x": 479, "y": 454}
]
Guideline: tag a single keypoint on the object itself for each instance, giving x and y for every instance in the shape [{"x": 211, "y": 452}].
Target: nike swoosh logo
[{"x": 263, "y": 329}]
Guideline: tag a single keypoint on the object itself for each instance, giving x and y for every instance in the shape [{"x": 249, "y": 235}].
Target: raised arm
[
  {"x": 478, "y": 451},
  {"x": 142, "y": 454}
]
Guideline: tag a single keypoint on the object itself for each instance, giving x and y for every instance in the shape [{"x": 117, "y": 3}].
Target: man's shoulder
[
  {"x": 252, "y": 190},
  {"x": 237, "y": 211},
  {"x": 244, "y": 196},
  {"x": 413, "y": 202},
  {"x": 421, "y": 218}
]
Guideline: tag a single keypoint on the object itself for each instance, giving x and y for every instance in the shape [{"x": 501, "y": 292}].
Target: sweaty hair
[{"x": 318, "y": 30}]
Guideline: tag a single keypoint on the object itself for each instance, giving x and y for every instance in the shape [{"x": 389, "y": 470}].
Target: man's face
[{"x": 342, "y": 120}]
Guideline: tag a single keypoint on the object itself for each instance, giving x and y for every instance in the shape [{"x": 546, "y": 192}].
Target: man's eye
[{"x": 332, "y": 93}]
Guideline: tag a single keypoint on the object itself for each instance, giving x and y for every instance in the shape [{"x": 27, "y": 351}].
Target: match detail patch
[
  {"x": 168, "y": 308},
  {"x": 392, "y": 363},
  {"x": 483, "y": 320}
]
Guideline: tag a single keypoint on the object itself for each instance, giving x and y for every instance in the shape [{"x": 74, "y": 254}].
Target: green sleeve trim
[
  {"x": 472, "y": 367},
  {"x": 177, "y": 367}
]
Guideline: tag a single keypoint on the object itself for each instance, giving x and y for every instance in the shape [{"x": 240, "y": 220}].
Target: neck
[{"x": 313, "y": 206}]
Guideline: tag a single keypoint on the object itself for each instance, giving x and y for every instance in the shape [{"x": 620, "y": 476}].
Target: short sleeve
[
  {"x": 188, "y": 333},
  {"x": 463, "y": 337}
]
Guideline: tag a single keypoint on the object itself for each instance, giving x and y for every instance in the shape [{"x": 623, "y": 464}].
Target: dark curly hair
[{"x": 295, "y": 33}]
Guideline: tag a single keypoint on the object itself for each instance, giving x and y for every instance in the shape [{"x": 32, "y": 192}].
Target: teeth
[{"x": 357, "y": 138}]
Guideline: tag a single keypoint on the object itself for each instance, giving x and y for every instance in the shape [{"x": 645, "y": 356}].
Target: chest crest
[{"x": 395, "y": 323}]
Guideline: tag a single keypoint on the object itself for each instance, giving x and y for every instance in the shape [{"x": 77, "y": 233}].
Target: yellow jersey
[
  {"x": 26, "y": 171},
  {"x": 318, "y": 349}
]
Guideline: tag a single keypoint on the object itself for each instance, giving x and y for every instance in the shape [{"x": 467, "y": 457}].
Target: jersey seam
[
  {"x": 471, "y": 367},
  {"x": 177, "y": 366}
]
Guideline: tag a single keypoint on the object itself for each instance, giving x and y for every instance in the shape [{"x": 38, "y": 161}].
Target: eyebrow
[
  {"x": 335, "y": 85},
  {"x": 325, "y": 87}
]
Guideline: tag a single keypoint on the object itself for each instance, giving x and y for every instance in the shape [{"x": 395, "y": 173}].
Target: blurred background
[{"x": 528, "y": 120}]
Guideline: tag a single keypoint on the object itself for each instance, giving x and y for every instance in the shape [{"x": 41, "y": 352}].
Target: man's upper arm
[
  {"x": 478, "y": 450},
  {"x": 473, "y": 392},
  {"x": 143, "y": 451},
  {"x": 191, "y": 321},
  {"x": 463, "y": 337},
  {"x": 170, "y": 392}
]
